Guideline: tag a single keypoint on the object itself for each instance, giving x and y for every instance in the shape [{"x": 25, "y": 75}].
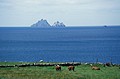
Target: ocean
[{"x": 79, "y": 44}]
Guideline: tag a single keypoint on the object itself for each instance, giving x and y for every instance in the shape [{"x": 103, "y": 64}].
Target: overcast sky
[{"x": 71, "y": 12}]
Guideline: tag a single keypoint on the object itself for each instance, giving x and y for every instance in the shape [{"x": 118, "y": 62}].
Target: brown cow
[
  {"x": 71, "y": 68},
  {"x": 94, "y": 67},
  {"x": 58, "y": 67}
]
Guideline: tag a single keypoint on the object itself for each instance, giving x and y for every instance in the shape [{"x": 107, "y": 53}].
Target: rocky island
[
  {"x": 58, "y": 24},
  {"x": 43, "y": 24}
]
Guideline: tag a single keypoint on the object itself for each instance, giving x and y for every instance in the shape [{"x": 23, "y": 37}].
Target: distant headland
[{"x": 43, "y": 24}]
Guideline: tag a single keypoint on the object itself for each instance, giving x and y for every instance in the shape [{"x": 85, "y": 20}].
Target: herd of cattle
[
  {"x": 58, "y": 67},
  {"x": 71, "y": 66}
]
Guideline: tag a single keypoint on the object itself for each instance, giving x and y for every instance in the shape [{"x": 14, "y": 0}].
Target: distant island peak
[{"x": 43, "y": 23}]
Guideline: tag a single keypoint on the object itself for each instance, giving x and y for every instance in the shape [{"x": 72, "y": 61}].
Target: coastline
[{"x": 42, "y": 64}]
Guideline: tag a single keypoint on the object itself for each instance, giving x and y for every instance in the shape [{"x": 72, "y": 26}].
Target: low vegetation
[{"x": 81, "y": 72}]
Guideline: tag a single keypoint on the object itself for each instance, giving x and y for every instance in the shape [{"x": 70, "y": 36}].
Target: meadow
[{"x": 82, "y": 71}]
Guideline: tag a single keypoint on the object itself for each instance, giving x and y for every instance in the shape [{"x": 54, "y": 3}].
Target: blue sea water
[{"x": 80, "y": 44}]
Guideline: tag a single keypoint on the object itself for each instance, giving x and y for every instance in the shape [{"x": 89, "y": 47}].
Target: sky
[{"x": 70, "y": 12}]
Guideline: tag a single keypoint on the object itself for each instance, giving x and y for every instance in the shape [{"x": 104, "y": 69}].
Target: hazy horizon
[{"x": 71, "y": 26}]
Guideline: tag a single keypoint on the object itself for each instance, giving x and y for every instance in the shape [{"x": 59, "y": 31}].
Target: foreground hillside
[{"x": 81, "y": 72}]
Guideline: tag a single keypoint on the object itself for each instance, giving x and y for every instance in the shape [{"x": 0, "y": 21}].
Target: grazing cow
[
  {"x": 71, "y": 68},
  {"x": 94, "y": 67},
  {"x": 58, "y": 67},
  {"x": 107, "y": 64}
]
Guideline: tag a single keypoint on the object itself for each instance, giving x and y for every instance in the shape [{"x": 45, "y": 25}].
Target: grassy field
[{"x": 81, "y": 72}]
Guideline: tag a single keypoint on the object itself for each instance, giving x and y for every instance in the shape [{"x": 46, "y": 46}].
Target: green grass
[{"x": 81, "y": 72}]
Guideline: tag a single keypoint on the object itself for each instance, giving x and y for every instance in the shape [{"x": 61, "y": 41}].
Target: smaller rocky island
[
  {"x": 43, "y": 24},
  {"x": 58, "y": 24}
]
